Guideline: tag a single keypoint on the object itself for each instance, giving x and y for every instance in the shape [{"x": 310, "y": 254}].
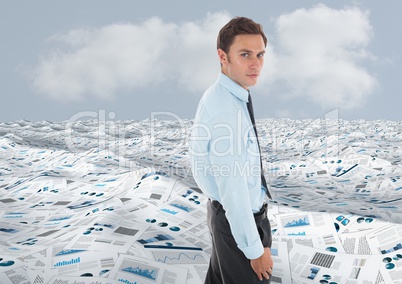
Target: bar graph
[
  {"x": 392, "y": 249},
  {"x": 69, "y": 262},
  {"x": 126, "y": 281}
]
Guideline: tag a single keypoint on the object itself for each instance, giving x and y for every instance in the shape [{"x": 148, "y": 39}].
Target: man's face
[{"x": 244, "y": 61}]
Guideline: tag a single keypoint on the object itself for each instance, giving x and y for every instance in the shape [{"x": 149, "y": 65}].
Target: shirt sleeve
[{"x": 228, "y": 155}]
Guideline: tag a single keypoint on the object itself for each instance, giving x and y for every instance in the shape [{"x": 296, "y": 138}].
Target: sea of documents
[{"x": 100, "y": 202}]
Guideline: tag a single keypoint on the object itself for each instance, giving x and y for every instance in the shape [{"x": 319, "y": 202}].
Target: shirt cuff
[{"x": 253, "y": 252}]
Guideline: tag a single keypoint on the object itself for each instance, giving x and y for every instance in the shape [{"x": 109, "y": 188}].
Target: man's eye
[
  {"x": 260, "y": 55},
  {"x": 244, "y": 54}
]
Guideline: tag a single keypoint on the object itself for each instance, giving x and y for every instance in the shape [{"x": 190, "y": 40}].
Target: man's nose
[{"x": 255, "y": 63}]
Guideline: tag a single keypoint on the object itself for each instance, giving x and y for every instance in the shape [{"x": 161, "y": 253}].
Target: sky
[{"x": 134, "y": 60}]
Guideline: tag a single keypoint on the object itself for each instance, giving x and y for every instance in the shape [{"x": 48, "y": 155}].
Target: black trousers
[{"x": 228, "y": 264}]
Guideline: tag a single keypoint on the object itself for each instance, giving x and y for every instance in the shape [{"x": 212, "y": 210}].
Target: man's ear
[{"x": 223, "y": 57}]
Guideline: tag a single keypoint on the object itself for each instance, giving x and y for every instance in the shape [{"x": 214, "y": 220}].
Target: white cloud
[
  {"x": 197, "y": 59},
  {"x": 317, "y": 55},
  {"x": 126, "y": 56}
]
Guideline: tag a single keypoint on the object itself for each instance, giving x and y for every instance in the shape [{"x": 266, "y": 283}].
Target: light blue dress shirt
[{"x": 225, "y": 160}]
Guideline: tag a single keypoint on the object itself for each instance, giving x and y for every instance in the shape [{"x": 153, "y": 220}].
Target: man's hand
[{"x": 262, "y": 266}]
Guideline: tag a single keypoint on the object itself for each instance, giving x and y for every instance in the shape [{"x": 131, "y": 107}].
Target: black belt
[{"x": 263, "y": 211}]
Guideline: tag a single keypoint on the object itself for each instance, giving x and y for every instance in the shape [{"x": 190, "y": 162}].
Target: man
[{"x": 226, "y": 163}]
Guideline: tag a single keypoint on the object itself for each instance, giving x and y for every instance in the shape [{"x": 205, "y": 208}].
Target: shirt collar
[{"x": 234, "y": 88}]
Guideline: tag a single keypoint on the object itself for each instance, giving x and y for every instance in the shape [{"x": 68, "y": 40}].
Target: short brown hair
[{"x": 238, "y": 26}]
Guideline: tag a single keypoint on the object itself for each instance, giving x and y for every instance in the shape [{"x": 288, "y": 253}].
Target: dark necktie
[{"x": 251, "y": 113}]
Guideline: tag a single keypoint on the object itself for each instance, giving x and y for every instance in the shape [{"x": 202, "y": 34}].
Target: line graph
[
  {"x": 302, "y": 221},
  {"x": 169, "y": 211},
  {"x": 179, "y": 257},
  {"x": 147, "y": 273}
]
